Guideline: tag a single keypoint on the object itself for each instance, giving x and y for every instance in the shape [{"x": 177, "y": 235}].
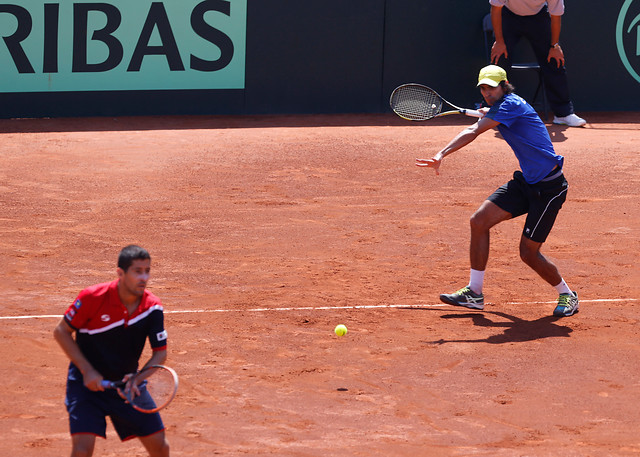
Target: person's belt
[{"x": 555, "y": 173}]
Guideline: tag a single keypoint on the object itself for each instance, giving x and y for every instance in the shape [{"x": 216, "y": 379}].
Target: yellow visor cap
[{"x": 491, "y": 75}]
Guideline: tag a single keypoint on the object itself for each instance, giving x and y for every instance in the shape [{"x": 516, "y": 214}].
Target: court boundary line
[{"x": 319, "y": 308}]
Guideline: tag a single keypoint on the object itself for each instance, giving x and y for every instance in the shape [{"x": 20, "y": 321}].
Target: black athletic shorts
[
  {"x": 541, "y": 202},
  {"x": 88, "y": 411}
]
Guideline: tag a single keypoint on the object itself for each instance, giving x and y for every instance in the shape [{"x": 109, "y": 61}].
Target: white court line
[{"x": 320, "y": 308}]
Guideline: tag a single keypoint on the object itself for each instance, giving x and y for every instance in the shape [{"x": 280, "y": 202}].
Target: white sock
[
  {"x": 476, "y": 279},
  {"x": 562, "y": 288}
]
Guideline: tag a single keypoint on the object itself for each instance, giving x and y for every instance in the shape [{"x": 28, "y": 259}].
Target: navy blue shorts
[
  {"x": 541, "y": 202},
  {"x": 88, "y": 411}
]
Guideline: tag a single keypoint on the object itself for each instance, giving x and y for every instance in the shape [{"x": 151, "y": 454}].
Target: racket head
[
  {"x": 415, "y": 102},
  {"x": 157, "y": 384}
]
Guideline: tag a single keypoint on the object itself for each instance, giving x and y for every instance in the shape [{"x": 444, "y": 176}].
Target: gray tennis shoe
[
  {"x": 464, "y": 297},
  {"x": 567, "y": 305}
]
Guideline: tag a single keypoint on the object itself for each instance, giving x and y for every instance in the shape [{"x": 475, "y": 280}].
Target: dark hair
[
  {"x": 507, "y": 87},
  {"x": 131, "y": 253}
]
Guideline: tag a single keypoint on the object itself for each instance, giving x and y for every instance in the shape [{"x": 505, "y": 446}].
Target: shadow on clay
[{"x": 515, "y": 330}]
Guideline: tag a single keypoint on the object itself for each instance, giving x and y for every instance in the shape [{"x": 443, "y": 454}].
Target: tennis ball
[{"x": 340, "y": 330}]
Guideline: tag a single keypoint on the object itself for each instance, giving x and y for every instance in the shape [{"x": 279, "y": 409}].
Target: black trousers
[{"x": 537, "y": 30}]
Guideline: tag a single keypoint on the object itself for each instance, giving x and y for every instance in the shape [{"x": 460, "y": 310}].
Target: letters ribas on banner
[{"x": 77, "y": 45}]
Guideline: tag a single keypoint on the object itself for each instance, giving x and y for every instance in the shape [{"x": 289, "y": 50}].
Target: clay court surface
[{"x": 267, "y": 232}]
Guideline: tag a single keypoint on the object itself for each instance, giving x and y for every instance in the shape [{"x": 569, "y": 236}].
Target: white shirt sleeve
[
  {"x": 530, "y": 7},
  {"x": 556, "y": 7}
]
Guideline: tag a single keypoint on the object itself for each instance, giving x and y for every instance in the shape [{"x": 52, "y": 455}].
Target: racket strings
[
  {"x": 415, "y": 102},
  {"x": 160, "y": 389}
]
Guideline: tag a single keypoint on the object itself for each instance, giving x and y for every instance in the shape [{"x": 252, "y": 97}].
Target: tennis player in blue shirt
[{"x": 538, "y": 190}]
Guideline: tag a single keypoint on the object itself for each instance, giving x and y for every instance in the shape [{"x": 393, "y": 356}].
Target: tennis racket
[
  {"x": 157, "y": 385},
  {"x": 416, "y": 102}
]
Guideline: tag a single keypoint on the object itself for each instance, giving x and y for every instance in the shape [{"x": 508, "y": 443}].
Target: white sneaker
[{"x": 572, "y": 120}]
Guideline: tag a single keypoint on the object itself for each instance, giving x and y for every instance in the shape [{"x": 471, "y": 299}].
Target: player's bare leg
[
  {"x": 82, "y": 445},
  {"x": 156, "y": 445},
  {"x": 531, "y": 255},
  {"x": 488, "y": 215}
]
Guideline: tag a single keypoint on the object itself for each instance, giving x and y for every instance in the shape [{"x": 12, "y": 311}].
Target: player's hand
[
  {"x": 130, "y": 386},
  {"x": 497, "y": 50},
  {"x": 93, "y": 380},
  {"x": 558, "y": 54},
  {"x": 128, "y": 380},
  {"x": 430, "y": 163},
  {"x": 484, "y": 111}
]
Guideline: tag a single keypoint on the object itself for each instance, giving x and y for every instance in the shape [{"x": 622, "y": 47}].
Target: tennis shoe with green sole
[
  {"x": 464, "y": 297},
  {"x": 567, "y": 305}
]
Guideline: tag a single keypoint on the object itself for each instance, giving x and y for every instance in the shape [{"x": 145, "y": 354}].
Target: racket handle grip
[
  {"x": 111, "y": 384},
  {"x": 472, "y": 113}
]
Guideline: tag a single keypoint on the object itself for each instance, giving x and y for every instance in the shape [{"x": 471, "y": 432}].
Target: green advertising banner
[{"x": 80, "y": 45}]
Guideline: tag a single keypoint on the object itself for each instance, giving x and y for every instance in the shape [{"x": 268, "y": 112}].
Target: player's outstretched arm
[{"x": 461, "y": 140}]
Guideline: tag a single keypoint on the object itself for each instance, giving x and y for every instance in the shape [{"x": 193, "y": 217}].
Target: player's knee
[
  {"x": 528, "y": 254},
  {"x": 82, "y": 445},
  {"x": 478, "y": 223},
  {"x": 160, "y": 450}
]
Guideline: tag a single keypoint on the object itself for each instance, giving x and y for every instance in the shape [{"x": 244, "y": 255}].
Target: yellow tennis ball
[{"x": 340, "y": 330}]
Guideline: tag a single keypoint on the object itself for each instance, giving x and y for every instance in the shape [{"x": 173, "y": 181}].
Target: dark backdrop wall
[{"x": 337, "y": 56}]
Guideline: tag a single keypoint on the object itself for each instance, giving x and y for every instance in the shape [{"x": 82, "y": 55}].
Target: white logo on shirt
[
  {"x": 162, "y": 335},
  {"x": 105, "y": 318}
]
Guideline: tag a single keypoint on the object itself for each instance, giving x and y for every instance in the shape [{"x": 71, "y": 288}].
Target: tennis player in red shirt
[{"x": 111, "y": 323}]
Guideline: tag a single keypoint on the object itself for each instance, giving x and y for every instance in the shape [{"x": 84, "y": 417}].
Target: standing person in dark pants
[{"x": 538, "y": 21}]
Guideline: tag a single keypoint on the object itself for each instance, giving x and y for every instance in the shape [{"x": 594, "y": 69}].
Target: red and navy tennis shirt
[{"x": 110, "y": 338}]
